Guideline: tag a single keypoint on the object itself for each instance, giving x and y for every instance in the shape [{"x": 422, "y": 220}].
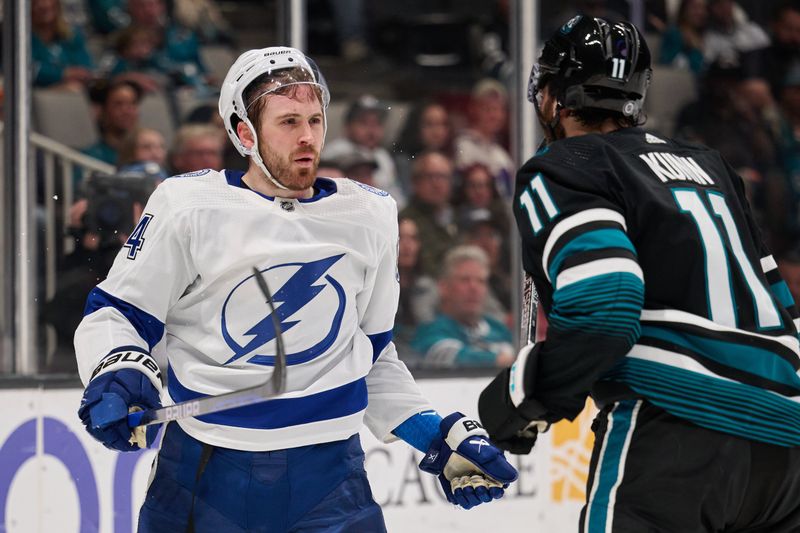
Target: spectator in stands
[
  {"x": 137, "y": 59},
  {"x": 58, "y": 51},
  {"x": 480, "y": 142},
  {"x": 364, "y": 128},
  {"x": 478, "y": 190},
  {"x": 785, "y": 49},
  {"x": 143, "y": 144},
  {"x": 731, "y": 116},
  {"x": 429, "y": 207},
  {"x": 109, "y": 16},
  {"x": 479, "y": 230},
  {"x": 144, "y": 151},
  {"x": 428, "y": 126},
  {"x": 196, "y": 147},
  {"x": 178, "y": 46},
  {"x": 204, "y": 18},
  {"x": 328, "y": 168},
  {"x": 418, "y": 292},
  {"x": 117, "y": 115},
  {"x": 730, "y": 32},
  {"x": 358, "y": 165},
  {"x": 461, "y": 334},
  {"x": 207, "y": 114},
  {"x": 683, "y": 43}
]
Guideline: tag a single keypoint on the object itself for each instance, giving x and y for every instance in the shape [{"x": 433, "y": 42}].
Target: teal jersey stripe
[
  {"x": 591, "y": 240},
  {"x": 751, "y": 359},
  {"x": 781, "y": 291},
  {"x": 609, "y": 468},
  {"x": 608, "y": 304},
  {"x": 730, "y": 407},
  {"x": 766, "y": 405},
  {"x": 771, "y": 413}
]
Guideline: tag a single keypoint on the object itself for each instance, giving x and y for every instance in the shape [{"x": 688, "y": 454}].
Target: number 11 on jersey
[
  {"x": 721, "y": 305},
  {"x": 536, "y": 187}
]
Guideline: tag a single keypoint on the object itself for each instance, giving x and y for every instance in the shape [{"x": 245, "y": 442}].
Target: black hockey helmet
[{"x": 592, "y": 63}]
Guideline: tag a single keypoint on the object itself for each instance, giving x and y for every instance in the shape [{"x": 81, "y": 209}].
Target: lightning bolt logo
[{"x": 295, "y": 294}]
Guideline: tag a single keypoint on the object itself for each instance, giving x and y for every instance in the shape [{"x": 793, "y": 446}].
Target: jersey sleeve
[
  {"x": 576, "y": 247},
  {"x": 393, "y": 394},
  {"x": 125, "y": 314}
]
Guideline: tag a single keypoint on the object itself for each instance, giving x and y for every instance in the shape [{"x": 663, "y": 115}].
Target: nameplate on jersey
[{"x": 669, "y": 167}]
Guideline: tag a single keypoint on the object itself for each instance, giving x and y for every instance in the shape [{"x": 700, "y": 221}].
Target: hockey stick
[
  {"x": 275, "y": 386},
  {"x": 530, "y": 308},
  {"x": 528, "y": 320}
]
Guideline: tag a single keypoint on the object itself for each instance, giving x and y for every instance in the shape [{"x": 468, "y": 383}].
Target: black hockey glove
[{"x": 512, "y": 427}]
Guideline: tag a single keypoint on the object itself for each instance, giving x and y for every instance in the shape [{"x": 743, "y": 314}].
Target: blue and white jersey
[{"x": 182, "y": 292}]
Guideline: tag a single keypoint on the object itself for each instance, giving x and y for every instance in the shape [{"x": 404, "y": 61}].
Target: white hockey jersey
[{"x": 182, "y": 289}]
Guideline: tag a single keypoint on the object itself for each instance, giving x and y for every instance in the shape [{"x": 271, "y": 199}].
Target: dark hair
[
  {"x": 594, "y": 118},
  {"x": 409, "y": 141},
  {"x": 101, "y": 91},
  {"x": 460, "y": 193}
]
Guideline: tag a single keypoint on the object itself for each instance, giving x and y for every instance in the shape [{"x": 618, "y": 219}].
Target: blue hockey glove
[
  {"x": 105, "y": 405},
  {"x": 470, "y": 468}
]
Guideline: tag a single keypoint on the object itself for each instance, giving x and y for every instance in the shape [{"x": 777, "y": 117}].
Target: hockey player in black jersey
[{"x": 663, "y": 304}]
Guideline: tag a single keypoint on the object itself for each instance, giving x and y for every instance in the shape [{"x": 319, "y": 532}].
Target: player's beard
[{"x": 285, "y": 170}]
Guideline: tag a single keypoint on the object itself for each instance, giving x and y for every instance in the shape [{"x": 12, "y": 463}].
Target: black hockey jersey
[{"x": 656, "y": 284}]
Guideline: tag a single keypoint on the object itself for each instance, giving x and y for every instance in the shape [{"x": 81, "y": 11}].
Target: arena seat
[
  {"x": 670, "y": 91},
  {"x": 64, "y": 116}
]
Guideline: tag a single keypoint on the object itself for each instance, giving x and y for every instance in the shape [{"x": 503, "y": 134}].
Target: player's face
[
  {"x": 290, "y": 139},
  {"x": 547, "y": 112}
]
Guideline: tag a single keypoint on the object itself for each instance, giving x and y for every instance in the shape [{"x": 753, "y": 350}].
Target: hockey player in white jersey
[{"x": 181, "y": 310}]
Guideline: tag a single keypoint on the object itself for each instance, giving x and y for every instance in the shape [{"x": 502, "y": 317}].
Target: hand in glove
[
  {"x": 106, "y": 402},
  {"x": 470, "y": 468}
]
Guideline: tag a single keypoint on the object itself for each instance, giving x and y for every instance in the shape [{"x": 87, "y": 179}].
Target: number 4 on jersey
[{"x": 136, "y": 240}]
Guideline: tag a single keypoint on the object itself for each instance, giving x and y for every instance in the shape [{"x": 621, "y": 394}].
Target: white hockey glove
[{"x": 470, "y": 468}]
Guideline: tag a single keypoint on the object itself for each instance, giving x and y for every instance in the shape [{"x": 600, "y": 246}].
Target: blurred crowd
[{"x": 448, "y": 165}]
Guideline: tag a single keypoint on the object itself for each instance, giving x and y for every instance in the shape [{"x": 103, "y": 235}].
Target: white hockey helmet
[{"x": 250, "y": 66}]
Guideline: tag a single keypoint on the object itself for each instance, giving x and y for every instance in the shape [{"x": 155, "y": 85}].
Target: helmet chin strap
[
  {"x": 550, "y": 126},
  {"x": 255, "y": 154}
]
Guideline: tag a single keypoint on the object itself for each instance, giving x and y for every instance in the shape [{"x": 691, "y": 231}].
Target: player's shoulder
[
  {"x": 191, "y": 188},
  {"x": 363, "y": 195},
  {"x": 567, "y": 156},
  {"x": 365, "y": 202}
]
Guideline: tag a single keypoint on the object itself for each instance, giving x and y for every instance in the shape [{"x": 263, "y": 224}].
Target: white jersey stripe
[
  {"x": 673, "y": 315},
  {"x": 596, "y": 268},
  {"x": 578, "y": 219},
  {"x": 768, "y": 263}
]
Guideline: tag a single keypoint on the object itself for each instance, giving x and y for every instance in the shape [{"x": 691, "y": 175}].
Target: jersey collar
[{"x": 323, "y": 187}]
